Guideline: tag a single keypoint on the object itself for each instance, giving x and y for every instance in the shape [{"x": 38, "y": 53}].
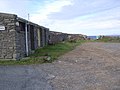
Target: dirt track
[{"x": 91, "y": 66}]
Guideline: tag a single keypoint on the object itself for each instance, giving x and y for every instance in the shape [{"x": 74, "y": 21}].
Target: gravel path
[{"x": 91, "y": 66}]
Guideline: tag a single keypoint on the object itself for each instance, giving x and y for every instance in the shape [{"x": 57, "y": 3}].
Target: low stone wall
[
  {"x": 77, "y": 37},
  {"x": 56, "y": 37}
]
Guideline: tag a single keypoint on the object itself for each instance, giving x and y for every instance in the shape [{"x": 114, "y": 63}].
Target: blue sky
[{"x": 89, "y": 17}]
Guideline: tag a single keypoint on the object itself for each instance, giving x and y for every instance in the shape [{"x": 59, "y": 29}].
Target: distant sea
[
  {"x": 92, "y": 37},
  {"x": 95, "y": 37}
]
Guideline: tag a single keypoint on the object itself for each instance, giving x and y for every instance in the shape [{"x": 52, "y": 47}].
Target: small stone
[
  {"x": 76, "y": 61},
  {"x": 59, "y": 61},
  {"x": 50, "y": 76},
  {"x": 90, "y": 58},
  {"x": 48, "y": 58}
]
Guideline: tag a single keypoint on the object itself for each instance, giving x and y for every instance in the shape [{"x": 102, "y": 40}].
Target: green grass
[
  {"x": 45, "y": 55},
  {"x": 109, "y": 39}
]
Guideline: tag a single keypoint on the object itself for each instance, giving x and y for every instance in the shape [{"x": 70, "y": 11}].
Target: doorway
[{"x": 32, "y": 39}]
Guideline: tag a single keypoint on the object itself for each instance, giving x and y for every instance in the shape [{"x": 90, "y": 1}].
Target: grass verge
[
  {"x": 45, "y": 55},
  {"x": 109, "y": 39}
]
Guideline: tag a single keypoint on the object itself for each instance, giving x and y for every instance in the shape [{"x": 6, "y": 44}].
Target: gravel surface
[{"x": 91, "y": 66}]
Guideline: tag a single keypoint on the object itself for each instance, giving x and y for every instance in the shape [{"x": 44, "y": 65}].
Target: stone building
[
  {"x": 19, "y": 37},
  {"x": 56, "y": 37}
]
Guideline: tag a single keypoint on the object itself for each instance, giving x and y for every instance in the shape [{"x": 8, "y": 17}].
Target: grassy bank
[
  {"x": 45, "y": 55},
  {"x": 109, "y": 39}
]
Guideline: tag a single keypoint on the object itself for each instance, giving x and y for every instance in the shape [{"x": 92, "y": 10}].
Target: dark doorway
[
  {"x": 22, "y": 26},
  {"x": 22, "y": 38},
  {"x": 41, "y": 39},
  {"x": 32, "y": 37},
  {"x": 45, "y": 36}
]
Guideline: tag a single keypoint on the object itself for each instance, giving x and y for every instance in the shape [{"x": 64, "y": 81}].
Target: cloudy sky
[{"x": 89, "y": 17}]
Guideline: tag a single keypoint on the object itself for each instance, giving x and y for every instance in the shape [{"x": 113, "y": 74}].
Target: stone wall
[
  {"x": 77, "y": 37},
  {"x": 56, "y": 37},
  {"x": 7, "y": 36}
]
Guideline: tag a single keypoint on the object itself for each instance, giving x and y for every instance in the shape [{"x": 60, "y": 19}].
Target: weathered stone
[
  {"x": 11, "y": 23},
  {"x": 6, "y": 38},
  {"x": 55, "y": 37},
  {"x": 10, "y": 48},
  {"x": 12, "y": 30},
  {"x": 6, "y": 19},
  {"x": 16, "y": 56}
]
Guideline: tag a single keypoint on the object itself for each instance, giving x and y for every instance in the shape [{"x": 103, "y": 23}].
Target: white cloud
[
  {"x": 102, "y": 22},
  {"x": 48, "y": 8},
  {"x": 90, "y": 25},
  {"x": 69, "y": 16}
]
